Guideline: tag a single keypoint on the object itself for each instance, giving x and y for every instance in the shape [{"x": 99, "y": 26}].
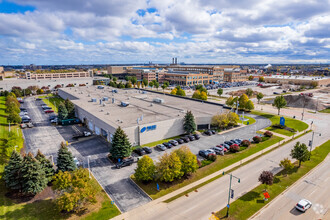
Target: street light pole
[
  {"x": 311, "y": 144},
  {"x": 89, "y": 168},
  {"x": 302, "y": 114},
  {"x": 230, "y": 190}
]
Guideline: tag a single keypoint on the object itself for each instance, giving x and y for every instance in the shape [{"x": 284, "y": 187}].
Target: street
[{"x": 313, "y": 187}]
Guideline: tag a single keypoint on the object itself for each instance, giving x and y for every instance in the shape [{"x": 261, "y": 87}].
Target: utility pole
[
  {"x": 89, "y": 168},
  {"x": 311, "y": 143},
  {"x": 231, "y": 192},
  {"x": 302, "y": 114}
]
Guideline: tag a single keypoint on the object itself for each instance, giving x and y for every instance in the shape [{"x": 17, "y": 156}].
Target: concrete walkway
[{"x": 154, "y": 205}]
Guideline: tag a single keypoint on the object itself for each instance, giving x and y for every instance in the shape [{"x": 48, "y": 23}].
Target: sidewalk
[{"x": 150, "y": 207}]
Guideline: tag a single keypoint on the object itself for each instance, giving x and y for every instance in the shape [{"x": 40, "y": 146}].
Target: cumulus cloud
[{"x": 84, "y": 31}]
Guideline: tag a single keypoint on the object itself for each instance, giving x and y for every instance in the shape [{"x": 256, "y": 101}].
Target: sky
[{"x": 46, "y": 32}]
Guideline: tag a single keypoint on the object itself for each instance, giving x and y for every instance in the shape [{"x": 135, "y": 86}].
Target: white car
[
  {"x": 53, "y": 120},
  {"x": 87, "y": 133},
  {"x": 76, "y": 161},
  {"x": 303, "y": 205}
]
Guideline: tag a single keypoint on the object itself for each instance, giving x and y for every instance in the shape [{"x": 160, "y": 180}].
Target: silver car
[{"x": 161, "y": 147}]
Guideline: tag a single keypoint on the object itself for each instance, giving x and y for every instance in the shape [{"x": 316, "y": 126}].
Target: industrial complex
[{"x": 144, "y": 116}]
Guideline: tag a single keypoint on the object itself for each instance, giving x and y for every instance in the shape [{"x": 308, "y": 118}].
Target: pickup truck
[{"x": 84, "y": 134}]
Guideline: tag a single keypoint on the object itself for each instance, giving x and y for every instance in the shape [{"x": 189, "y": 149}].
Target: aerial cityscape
[{"x": 164, "y": 110}]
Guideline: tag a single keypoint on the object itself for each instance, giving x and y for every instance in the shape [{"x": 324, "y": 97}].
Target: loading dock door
[
  {"x": 90, "y": 126},
  {"x": 104, "y": 133},
  {"x": 97, "y": 130}
]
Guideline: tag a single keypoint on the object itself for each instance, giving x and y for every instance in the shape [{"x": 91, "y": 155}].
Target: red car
[
  {"x": 49, "y": 111},
  {"x": 259, "y": 84}
]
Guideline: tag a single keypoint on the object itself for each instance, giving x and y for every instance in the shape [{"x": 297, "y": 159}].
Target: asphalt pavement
[{"x": 313, "y": 187}]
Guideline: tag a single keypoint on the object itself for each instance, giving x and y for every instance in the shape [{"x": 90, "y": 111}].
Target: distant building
[
  {"x": 37, "y": 76},
  {"x": 235, "y": 75},
  {"x": 188, "y": 78},
  {"x": 298, "y": 80},
  {"x": 116, "y": 70},
  {"x": 1, "y": 69}
]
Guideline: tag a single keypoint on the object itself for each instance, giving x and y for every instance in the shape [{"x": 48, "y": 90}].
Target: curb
[{"x": 287, "y": 189}]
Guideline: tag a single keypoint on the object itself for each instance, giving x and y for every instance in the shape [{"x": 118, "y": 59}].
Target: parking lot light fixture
[
  {"x": 89, "y": 168},
  {"x": 230, "y": 190}
]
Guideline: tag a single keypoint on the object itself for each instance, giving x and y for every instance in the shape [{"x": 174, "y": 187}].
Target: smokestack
[
  {"x": 176, "y": 60},
  {"x": 173, "y": 60}
]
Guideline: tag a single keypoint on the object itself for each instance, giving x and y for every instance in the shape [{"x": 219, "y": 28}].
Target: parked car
[
  {"x": 197, "y": 137},
  {"x": 180, "y": 141},
  {"x": 213, "y": 131},
  {"x": 191, "y": 137},
  {"x": 38, "y": 99},
  {"x": 51, "y": 117},
  {"x": 161, "y": 147},
  {"x": 30, "y": 125},
  {"x": 226, "y": 146},
  {"x": 148, "y": 150},
  {"x": 168, "y": 145},
  {"x": 303, "y": 205},
  {"x": 54, "y": 120},
  {"x": 46, "y": 107},
  {"x": 205, "y": 153},
  {"x": 22, "y": 109},
  {"x": 23, "y": 125},
  {"x": 229, "y": 143},
  {"x": 125, "y": 162},
  {"x": 87, "y": 133},
  {"x": 49, "y": 111},
  {"x": 185, "y": 139},
  {"x": 173, "y": 142},
  {"x": 239, "y": 140},
  {"x": 26, "y": 120},
  {"x": 235, "y": 141},
  {"x": 76, "y": 161},
  {"x": 208, "y": 132},
  {"x": 217, "y": 150},
  {"x": 140, "y": 151}
]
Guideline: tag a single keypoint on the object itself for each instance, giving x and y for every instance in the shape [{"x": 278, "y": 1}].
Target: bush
[
  {"x": 257, "y": 139},
  {"x": 212, "y": 157},
  {"x": 268, "y": 134},
  {"x": 206, "y": 162},
  {"x": 245, "y": 143},
  {"x": 234, "y": 148}
]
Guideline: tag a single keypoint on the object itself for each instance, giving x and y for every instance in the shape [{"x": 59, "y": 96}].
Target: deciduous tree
[
  {"x": 169, "y": 167},
  {"x": 249, "y": 105},
  {"x": 145, "y": 170},
  {"x": 266, "y": 177},
  {"x": 279, "y": 102},
  {"x": 230, "y": 101},
  {"x": 243, "y": 99},
  {"x": 220, "y": 91},
  {"x": 286, "y": 164},
  {"x": 300, "y": 152},
  {"x": 249, "y": 92},
  {"x": 259, "y": 96},
  {"x": 188, "y": 160}
]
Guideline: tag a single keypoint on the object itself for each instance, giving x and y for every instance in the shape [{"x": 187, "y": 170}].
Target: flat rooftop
[
  {"x": 296, "y": 77},
  {"x": 139, "y": 105}
]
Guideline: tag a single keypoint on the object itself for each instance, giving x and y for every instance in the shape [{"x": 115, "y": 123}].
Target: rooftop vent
[{"x": 108, "y": 113}]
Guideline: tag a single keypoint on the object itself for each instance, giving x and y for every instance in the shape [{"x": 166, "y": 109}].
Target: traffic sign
[
  {"x": 282, "y": 121},
  {"x": 232, "y": 194},
  {"x": 228, "y": 205},
  {"x": 266, "y": 195}
]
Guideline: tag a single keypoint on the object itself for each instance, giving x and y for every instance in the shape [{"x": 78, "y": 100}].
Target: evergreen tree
[
  {"x": 12, "y": 173},
  {"x": 121, "y": 147},
  {"x": 70, "y": 108},
  {"x": 189, "y": 124},
  {"x": 65, "y": 160},
  {"x": 46, "y": 165},
  {"x": 34, "y": 177},
  {"x": 145, "y": 170},
  {"x": 62, "y": 112}
]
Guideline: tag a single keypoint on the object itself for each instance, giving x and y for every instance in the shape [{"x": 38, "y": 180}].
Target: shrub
[
  {"x": 268, "y": 134},
  {"x": 245, "y": 143},
  {"x": 212, "y": 157},
  {"x": 257, "y": 139},
  {"x": 234, "y": 148},
  {"x": 206, "y": 162}
]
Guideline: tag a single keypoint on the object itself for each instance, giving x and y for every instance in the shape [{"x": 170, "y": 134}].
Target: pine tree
[
  {"x": 46, "y": 165},
  {"x": 62, "y": 112},
  {"x": 121, "y": 147},
  {"x": 70, "y": 108},
  {"x": 189, "y": 124},
  {"x": 12, "y": 173},
  {"x": 34, "y": 177},
  {"x": 65, "y": 160}
]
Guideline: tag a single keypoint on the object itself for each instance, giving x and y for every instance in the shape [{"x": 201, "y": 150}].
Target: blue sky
[{"x": 139, "y": 31}]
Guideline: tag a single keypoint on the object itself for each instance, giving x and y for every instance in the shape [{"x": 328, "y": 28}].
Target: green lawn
[
  {"x": 220, "y": 163},
  {"x": 153, "y": 144},
  {"x": 52, "y": 101},
  {"x": 251, "y": 120},
  {"x": 327, "y": 110},
  {"x": 251, "y": 202},
  {"x": 289, "y": 122}
]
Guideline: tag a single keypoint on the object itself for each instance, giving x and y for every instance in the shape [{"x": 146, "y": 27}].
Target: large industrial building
[
  {"x": 144, "y": 116},
  {"x": 298, "y": 80}
]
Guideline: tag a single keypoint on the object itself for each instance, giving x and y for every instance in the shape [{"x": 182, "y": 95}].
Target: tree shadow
[
  {"x": 252, "y": 195},
  {"x": 276, "y": 179}
]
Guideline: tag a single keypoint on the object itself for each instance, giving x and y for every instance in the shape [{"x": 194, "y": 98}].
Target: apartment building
[
  {"x": 36, "y": 76},
  {"x": 188, "y": 78},
  {"x": 116, "y": 70},
  {"x": 235, "y": 75},
  {"x": 1, "y": 69}
]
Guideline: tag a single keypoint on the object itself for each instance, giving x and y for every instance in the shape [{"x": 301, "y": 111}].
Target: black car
[
  {"x": 23, "y": 109},
  {"x": 197, "y": 137},
  {"x": 52, "y": 117},
  {"x": 140, "y": 151},
  {"x": 180, "y": 141},
  {"x": 125, "y": 162},
  {"x": 208, "y": 132},
  {"x": 229, "y": 143},
  {"x": 26, "y": 120},
  {"x": 185, "y": 139},
  {"x": 213, "y": 131},
  {"x": 38, "y": 99},
  {"x": 168, "y": 145},
  {"x": 148, "y": 150},
  {"x": 191, "y": 137},
  {"x": 234, "y": 141}
]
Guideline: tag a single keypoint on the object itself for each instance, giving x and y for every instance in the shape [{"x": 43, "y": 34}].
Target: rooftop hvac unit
[
  {"x": 104, "y": 104},
  {"x": 100, "y": 101},
  {"x": 124, "y": 104},
  {"x": 101, "y": 110},
  {"x": 105, "y": 98},
  {"x": 158, "y": 100},
  {"x": 108, "y": 113},
  {"x": 89, "y": 95},
  {"x": 113, "y": 100},
  {"x": 93, "y": 99}
]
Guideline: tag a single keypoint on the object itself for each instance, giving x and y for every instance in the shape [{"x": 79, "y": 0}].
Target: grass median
[
  {"x": 251, "y": 120},
  {"x": 289, "y": 122},
  {"x": 251, "y": 202},
  {"x": 220, "y": 163},
  {"x": 52, "y": 101},
  {"x": 153, "y": 144}
]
